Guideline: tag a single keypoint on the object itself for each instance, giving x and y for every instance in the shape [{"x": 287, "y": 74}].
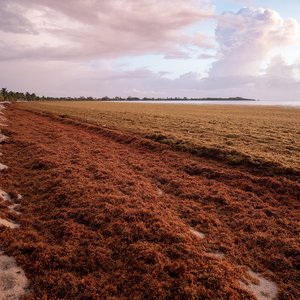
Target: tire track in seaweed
[{"x": 105, "y": 218}]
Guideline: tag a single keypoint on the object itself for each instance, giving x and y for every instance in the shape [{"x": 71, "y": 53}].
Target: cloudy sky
[{"x": 151, "y": 48}]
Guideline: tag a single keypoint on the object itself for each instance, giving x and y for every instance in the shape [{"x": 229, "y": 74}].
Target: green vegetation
[
  {"x": 15, "y": 96},
  {"x": 6, "y": 95}
]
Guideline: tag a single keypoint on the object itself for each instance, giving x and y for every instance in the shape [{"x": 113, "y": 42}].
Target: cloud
[
  {"x": 278, "y": 68},
  {"x": 89, "y": 29},
  {"x": 247, "y": 37},
  {"x": 11, "y": 20},
  {"x": 206, "y": 56},
  {"x": 73, "y": 79},
  {"x": 203, "y": 41},
  {"x": 70, "y": 48}
]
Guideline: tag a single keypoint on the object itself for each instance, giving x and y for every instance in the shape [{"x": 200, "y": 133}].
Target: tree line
[{"x": 6, "y": 95}]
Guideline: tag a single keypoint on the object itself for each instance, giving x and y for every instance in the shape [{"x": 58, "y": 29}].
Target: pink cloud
[
  {"x": 72, "y": 79},
  {"x": 12, "y": 20},
  {"x": 100, "y": 28},
  {"x": 46, "y": 46}
]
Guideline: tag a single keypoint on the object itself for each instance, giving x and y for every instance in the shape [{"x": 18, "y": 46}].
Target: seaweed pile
[{"x": 119, "y": 218}]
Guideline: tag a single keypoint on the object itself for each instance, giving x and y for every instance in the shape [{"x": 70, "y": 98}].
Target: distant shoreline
[{"x": 180, "y": 99}]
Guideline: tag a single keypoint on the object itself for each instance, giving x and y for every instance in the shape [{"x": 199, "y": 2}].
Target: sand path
[{"x": 13, "y": 281}]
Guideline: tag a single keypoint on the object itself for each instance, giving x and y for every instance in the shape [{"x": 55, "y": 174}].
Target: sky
[{"x": 151, "y": 48}]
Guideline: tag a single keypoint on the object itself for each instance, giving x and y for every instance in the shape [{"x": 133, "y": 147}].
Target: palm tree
[{"x": 4, "y": 93}]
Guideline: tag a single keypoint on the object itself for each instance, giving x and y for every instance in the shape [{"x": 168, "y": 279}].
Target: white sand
[
  {"x": 215, "y": 254},
  {"x": 13, "y": 282},
  {"x": 5, "y": 196},
  {"x": 3, "y": 167},
  {"x": 3, "y": 138},
  {"x": 2, "y": 117},
  {"x": 260, "y": 287},
  {"x": 198, "y": 234},
  {"x": 13, "y": 208},
  {"x": 8, "y": 224}
]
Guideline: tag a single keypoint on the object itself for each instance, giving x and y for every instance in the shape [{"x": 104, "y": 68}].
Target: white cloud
[
  {"x": 278, "y": 68},
  {"x": 246, "y": 38}
]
